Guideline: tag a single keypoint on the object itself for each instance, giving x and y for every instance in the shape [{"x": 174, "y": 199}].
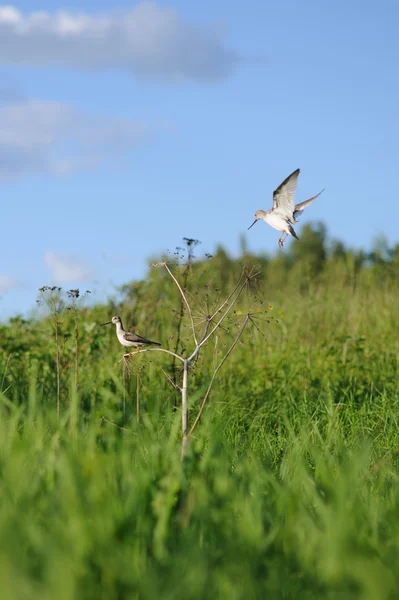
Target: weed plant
[{"x": 290, "y": 488}]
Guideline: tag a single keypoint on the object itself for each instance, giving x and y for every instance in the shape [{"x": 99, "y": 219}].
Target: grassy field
[{"x": 290, "y": 488}]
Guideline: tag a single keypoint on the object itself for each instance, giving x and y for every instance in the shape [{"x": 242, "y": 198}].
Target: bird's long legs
[{"x": 282, "y": 239}]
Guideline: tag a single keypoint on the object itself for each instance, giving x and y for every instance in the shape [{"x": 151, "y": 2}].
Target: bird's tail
[{"x": 292, "y": 232}]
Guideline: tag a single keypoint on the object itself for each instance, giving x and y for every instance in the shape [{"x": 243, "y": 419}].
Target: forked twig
[
  {"x": 208, "y": 391},
  {"x": 195, "y": 356},
  {"x": 206, "y": 338},
  {"x": 185, "y": 300},
  {"x": 209, "y": 329},
  {"x": 171, "y": 381},
  {"x": 259, "y": 329},
  {"x": 206, "y": 328},
  {"x": 227, "y": 299},
  {"x": 141, "y": 350}
]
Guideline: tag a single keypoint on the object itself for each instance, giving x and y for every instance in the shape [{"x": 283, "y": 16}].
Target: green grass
[
  {"x": 291, "y": 485},
  {"x": 308, "y": 508}
]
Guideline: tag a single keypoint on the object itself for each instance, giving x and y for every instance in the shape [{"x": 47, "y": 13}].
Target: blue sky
[{"x": 124, "y": 129}]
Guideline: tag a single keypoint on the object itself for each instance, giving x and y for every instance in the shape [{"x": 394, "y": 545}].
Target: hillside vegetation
[{"x": 290, "y": 487}]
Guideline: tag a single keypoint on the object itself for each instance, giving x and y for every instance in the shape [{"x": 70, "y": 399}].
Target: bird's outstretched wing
[
  {"x": 283, "y": 196},
  {"x": 299, "y": 208},
  {"x": 137, "y": 339}
]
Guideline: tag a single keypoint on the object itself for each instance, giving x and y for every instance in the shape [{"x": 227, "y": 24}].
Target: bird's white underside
[
  {"x": 125, "y": 342},
  {"x": 277, "y": 220}
]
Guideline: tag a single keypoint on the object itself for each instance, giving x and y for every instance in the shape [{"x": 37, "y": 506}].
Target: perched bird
[
  {"x": 284, "y": 213},
  {"x": 126, "y": 338}
]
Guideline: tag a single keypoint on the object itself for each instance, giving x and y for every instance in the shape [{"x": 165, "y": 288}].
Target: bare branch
[
  {"x": 171, "y": 381},
  {"x": 227, "y": 299},
  {"x": 207, "y": 324},
  {"x": 185, "y": 300},
  {"x": 206, "y": 338},
  {"x": 150, "y": 350},
  {"x": 184, "y": 409},
  {"x": 208, "y": 391},
  {"x": 195, "y": 354},
  {"x": 215, "y": 351},
  {"x": 259, "y": 329}
]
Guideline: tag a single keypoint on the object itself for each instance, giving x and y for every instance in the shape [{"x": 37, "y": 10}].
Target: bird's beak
[
  {"x": 107, "y": 323},
  {"x": 252, "y": 224}
]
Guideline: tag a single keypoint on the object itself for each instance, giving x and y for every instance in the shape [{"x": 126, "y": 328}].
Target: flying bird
[
  {"x": 126, "y": 338},
  {"x": 284, "y": 213}
]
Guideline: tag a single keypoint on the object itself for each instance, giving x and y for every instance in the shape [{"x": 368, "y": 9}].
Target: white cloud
[
  {"x": 66, "y": 269},
  {"x": 8, "y": 283},
  {"x": 151, "y": 40},
  {"x": 52, "y": 137}
]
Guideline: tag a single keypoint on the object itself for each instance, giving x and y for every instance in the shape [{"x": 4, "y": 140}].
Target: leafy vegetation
[{"x": 290, "y": 488}]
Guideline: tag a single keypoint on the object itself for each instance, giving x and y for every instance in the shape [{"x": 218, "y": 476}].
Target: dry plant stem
[
  {"x": 182, "y": 305},
  {"x": 232, "y": 299},
  {"x": 195, "y": 357},
  {"x": 206, "y": 329},
  {"x": 152, "y": 350},
  {"x": 215, "y": 351},
  {"x": 172, "y": 383},
  {"x": 208, "y": 391},
  {"x": 227, "y": 299},
  {"x": 187, "y": 362},
  {"x": 185, "y": 301},
  {"x": 225, "y": 314},
  {"x": 159, "y": 350},
  {"x": 206, "y": 338},
  {"x": 184, "y": 408},
  {"x": 259, "y": 329}
]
